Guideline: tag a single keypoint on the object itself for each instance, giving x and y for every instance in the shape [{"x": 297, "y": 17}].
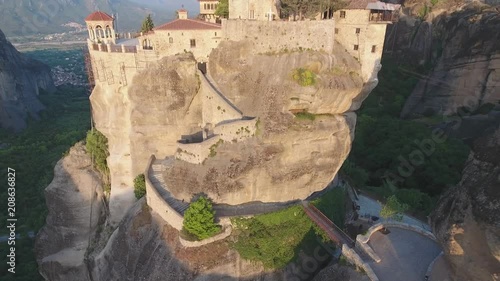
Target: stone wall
[
  {"x": 216, "y": 108},
  {"x": 196, "y": 153},
  {"x": 365, "y": 238},
  {"x": 371, "y": 35},
  {"x": 277, "y": 36},
  {"x": 237, "y": 130},
  {"x": 171, "y": 42},
  {"x": 226, "y": 224},
  {"x": 354, "y": 258},
  {"x": 156, "y": 202},
  {"x": 252, "y": 9}
]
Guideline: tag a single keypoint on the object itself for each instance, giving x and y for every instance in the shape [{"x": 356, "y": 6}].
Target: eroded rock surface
[
  {"x": 464, "y": 48},
  {"x": 20, "y": 80},
  {"x": 466, "y": 221},
  {"x": 288, "y": 158},
  {"x": 75, "y": 202}
]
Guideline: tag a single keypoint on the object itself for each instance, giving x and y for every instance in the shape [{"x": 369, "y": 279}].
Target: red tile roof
[
  {"x": 182, "y": 10},
  {"x": 188, "y": 24},
  {"x": 99, "y": 16}
]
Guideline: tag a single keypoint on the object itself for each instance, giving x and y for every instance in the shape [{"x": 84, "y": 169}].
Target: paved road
[{"x": 405, "y": 255}]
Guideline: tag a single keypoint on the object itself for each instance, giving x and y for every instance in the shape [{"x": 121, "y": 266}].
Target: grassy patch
[
  {"x": 275, "y": 239},
  {"x": 305, "y": 116}
]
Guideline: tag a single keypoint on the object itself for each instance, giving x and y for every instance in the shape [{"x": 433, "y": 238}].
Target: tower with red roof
[{"x": 100, "y": 26}]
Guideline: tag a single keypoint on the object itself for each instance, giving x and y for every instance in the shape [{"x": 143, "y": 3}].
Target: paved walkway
[
  {"x": 372, "y": 207},
  {"x": 405, "y": 255}
]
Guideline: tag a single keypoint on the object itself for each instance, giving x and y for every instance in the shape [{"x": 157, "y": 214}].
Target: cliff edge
[
  {"x": 20, "y": 81},
  {"x": 466, "y": 221}
]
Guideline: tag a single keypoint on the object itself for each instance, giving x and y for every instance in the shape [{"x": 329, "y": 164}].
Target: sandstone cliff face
[
  {"x": 463, "y": 46},
  {"x": 466, "y": 221},
  {"x": 147, "y": 117},
  {"x": 75, "y": 202},
  {"x": 142, "y": 247},
  {"x": 20, "y": 81},
  {"x": 288, "y": 158}
]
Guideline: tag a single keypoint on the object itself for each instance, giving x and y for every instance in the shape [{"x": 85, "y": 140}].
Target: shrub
[
  {"x": 199, "y": 219},
  {"x": 304, "y": 77},
  {"x": 140, "y": 186},
  {"x": 393, "y": 209},
  {"x": 97, "y": 147}
]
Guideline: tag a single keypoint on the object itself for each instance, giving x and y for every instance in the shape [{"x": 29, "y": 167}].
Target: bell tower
[{"x": 101, "y": 28}]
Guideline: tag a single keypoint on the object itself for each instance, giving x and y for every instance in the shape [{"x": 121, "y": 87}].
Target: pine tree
[{"x": 147, "y": 24}]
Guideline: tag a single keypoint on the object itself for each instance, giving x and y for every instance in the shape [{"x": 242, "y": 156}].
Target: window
[
  {"x": 336, "y": 31},
  {"x": 170, "y": 40},
  {"x": 342, "y": 14},
  {"x": 358, "y": 30},
  {"x": 215, "y": 33},
  {"x": 193, "y": 43},
  {"x": 211, "y": 6},
  {"x": 205, "y": 6},
  {"x": 356, "y": 47},
  {"x": 374, "y": 48},
  {"x": 252, "y": 15}
]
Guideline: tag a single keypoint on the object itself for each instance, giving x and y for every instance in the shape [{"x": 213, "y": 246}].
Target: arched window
[
  {"x": 91, "y": 34},
  {"x": 109, "y": 34},
  {"x": 99, "y": 33}
]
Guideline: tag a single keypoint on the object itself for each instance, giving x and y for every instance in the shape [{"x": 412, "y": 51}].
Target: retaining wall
[
  {"x": 236, "y": 130},
  {"x": 354, "y": 258},
  {"x": 365, "y": 238},
  {"x": 196, "y": 153},
  {"x": 158, "y": 204},
  {"x": 226, "y": 224},
  {"x": 275, "y": 36}
]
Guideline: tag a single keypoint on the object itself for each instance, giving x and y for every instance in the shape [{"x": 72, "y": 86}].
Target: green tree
[
  {"x": 97, "y": 146},
  {"x": 223, "y": 9},
  {"x": 147, "y": 24},
  {"x": 140, "y": 186},
  {"x": 199, "y": 219},
  {"x": 393, "y": 209}
]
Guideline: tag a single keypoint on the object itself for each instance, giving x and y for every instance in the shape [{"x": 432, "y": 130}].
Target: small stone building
[
  {"x": 101, "y": 28},
  {"x": 253, "y": 9},
  {"x": 207, "y": 10},
  {"x": 360, "y": 27},
  {"x": 185, "y": 35}
]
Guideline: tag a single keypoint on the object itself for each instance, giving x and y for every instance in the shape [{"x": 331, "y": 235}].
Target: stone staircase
[{"x": 156, "y": 177}]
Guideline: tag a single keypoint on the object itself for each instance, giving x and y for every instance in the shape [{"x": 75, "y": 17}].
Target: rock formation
[
  {"x": 75, "y": 202},
  {"x": 288, "y": 158},
  {"x": 466, "y": 220},
  {"x": 20, "y": 81},
  {"x": 464, "y": 51}
]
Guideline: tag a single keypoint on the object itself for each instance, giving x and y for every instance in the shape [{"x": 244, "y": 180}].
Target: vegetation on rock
[
  {"x": 199, "y": 219},
  {"x": 140, "y": 186},
  {"x": 304, "y": 77},
  {"x": 97, "y": 147}
]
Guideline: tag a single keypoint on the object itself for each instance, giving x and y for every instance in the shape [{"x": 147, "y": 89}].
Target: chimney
[{"x": 182, "y": 14}]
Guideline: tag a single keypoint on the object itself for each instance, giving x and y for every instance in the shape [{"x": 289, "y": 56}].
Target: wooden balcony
[{"x": 383, "y": 16}]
